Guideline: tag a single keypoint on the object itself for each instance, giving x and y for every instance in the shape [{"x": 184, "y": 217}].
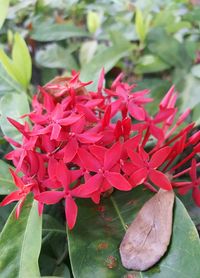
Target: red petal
[
  {"x": 89, "y": 187},
  {"x": 88, "y": 161},
  {"x": 18, "y": 182},
  {"x": 12, "y": 197},
  {"x": 98, "y": 152},
  {"x": 88, "y": 137},
  {"x": 138, "y": 177},
  {"x": 90, "y": 116},
  {"x": 156, "y": 132},
  {"x": 136, "y": 111},
  {"x": 135, "y": 158},
  {"x": 118, "y": 181},
  {"x": 50, "y": 197},
  {"x": 71, "y": 211},
  {"x": 112, "y": 156},
  {"x": 159, "y": 157},
  {"x": 160, "y": 179},
  {"x": 19, "y": 207},
  {"x": 106, "y": 118},
  {"x": 70, "y": 120},
  {"x": 101, "y": 80},
  {"x": 133, "y": 142},
  {"x": 163, "y": 115},
  {"x": 52, "y": 167},
  {"x": 70, "y": 150},
  {"x": 55, "y": 131},
  {"x": 63, "y": 175},
  {"x": 18, "y": 126}
]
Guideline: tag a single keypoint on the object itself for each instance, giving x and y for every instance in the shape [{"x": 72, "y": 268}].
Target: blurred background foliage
[{"x": 156, "y": 43}]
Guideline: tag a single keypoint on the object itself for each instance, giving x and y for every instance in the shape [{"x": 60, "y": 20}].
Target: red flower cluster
[{"x": 81, "y": 144}]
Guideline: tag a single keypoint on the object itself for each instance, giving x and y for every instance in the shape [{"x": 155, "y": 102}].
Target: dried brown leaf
[{"x": 148, "y": 237}]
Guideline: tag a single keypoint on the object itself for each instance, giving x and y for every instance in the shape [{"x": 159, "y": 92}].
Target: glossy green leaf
[
  {"x": 170, "y": 50},
  {"x": 57, "y": 32},
  {"x": 55, "y": 56},
  {"x": 20, "y": 66},
  {"x": 20, "y": 243},
  {"x": 150, "y": 63},
  {"x": 52, "y": 260},
  {"x": 12, "y": 105},
  {"x": 107, "y": 59},
  {"x": 6, "y": 182},
  {"x": 94, "y": 242},
  {"x": 3, "y": 11}
]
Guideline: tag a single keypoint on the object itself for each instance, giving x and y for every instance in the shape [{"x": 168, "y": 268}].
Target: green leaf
[
  {"x": 94, "y": 242},
  {"x": 87, "y": 51},
  {"x": 20, "y": 243},
  {"x": 107, "y": 59},
  {"x": 190, "y": 95},
  {"x": 3, "y": 11},
  {"x": 20, "y": 66},
  {"x": 55, "y": 56},
  {"x": 141, "y": 25},
  {"x": 57, "y": 32},
  {"x": 93, "y": 21},
  {"x": 8, "y": 84},
  {"x": 195, "y": 70},
  {"x": 6, "y": 182},
  {"x": 193, "y": 16},
  {"x": 22, "y": 60},
  {"x": 150, "y": 63},
  {"x": 14, "y": 106},
  {"x": 170, "y": 50},
  {"x": 176, "y": 26}
]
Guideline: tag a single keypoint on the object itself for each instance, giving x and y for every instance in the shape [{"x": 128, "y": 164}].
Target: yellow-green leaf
[
  {"x": 141, "y": 25},
  {"x": 93, "y": 21},
  {"x": 20, "y": 66},
  {"x": 4, "y": 4},
  {"x": 22, "y": 59}
]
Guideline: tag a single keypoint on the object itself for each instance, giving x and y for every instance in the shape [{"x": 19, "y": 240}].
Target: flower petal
[
  {"x": 118, "y": 181},
  {"x": 112, "y": 156},
  {"x": 159, "y": 157},
  {"x": 70, "y": 150},
  {"x": 88, "y": 161},
  {"x": 50, "y": 197},
  {"x": 90, "y": 186},
  {"x": 160, "y": 179},
  {"x": 71, "y": 211},
  {"x": 12, "y": 197},
  {"x": 136, "y": 111},
  {"x": 18, "y": 182},
  {"x": 139, "y": 176}
]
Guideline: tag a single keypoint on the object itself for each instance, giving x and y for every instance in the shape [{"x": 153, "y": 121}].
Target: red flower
[
  {"x": 18, "y": 195},
  {"x": 194, "y": 184},
  {"x": 147, "y": 168},
  {"x": 83, "y": 144}
]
